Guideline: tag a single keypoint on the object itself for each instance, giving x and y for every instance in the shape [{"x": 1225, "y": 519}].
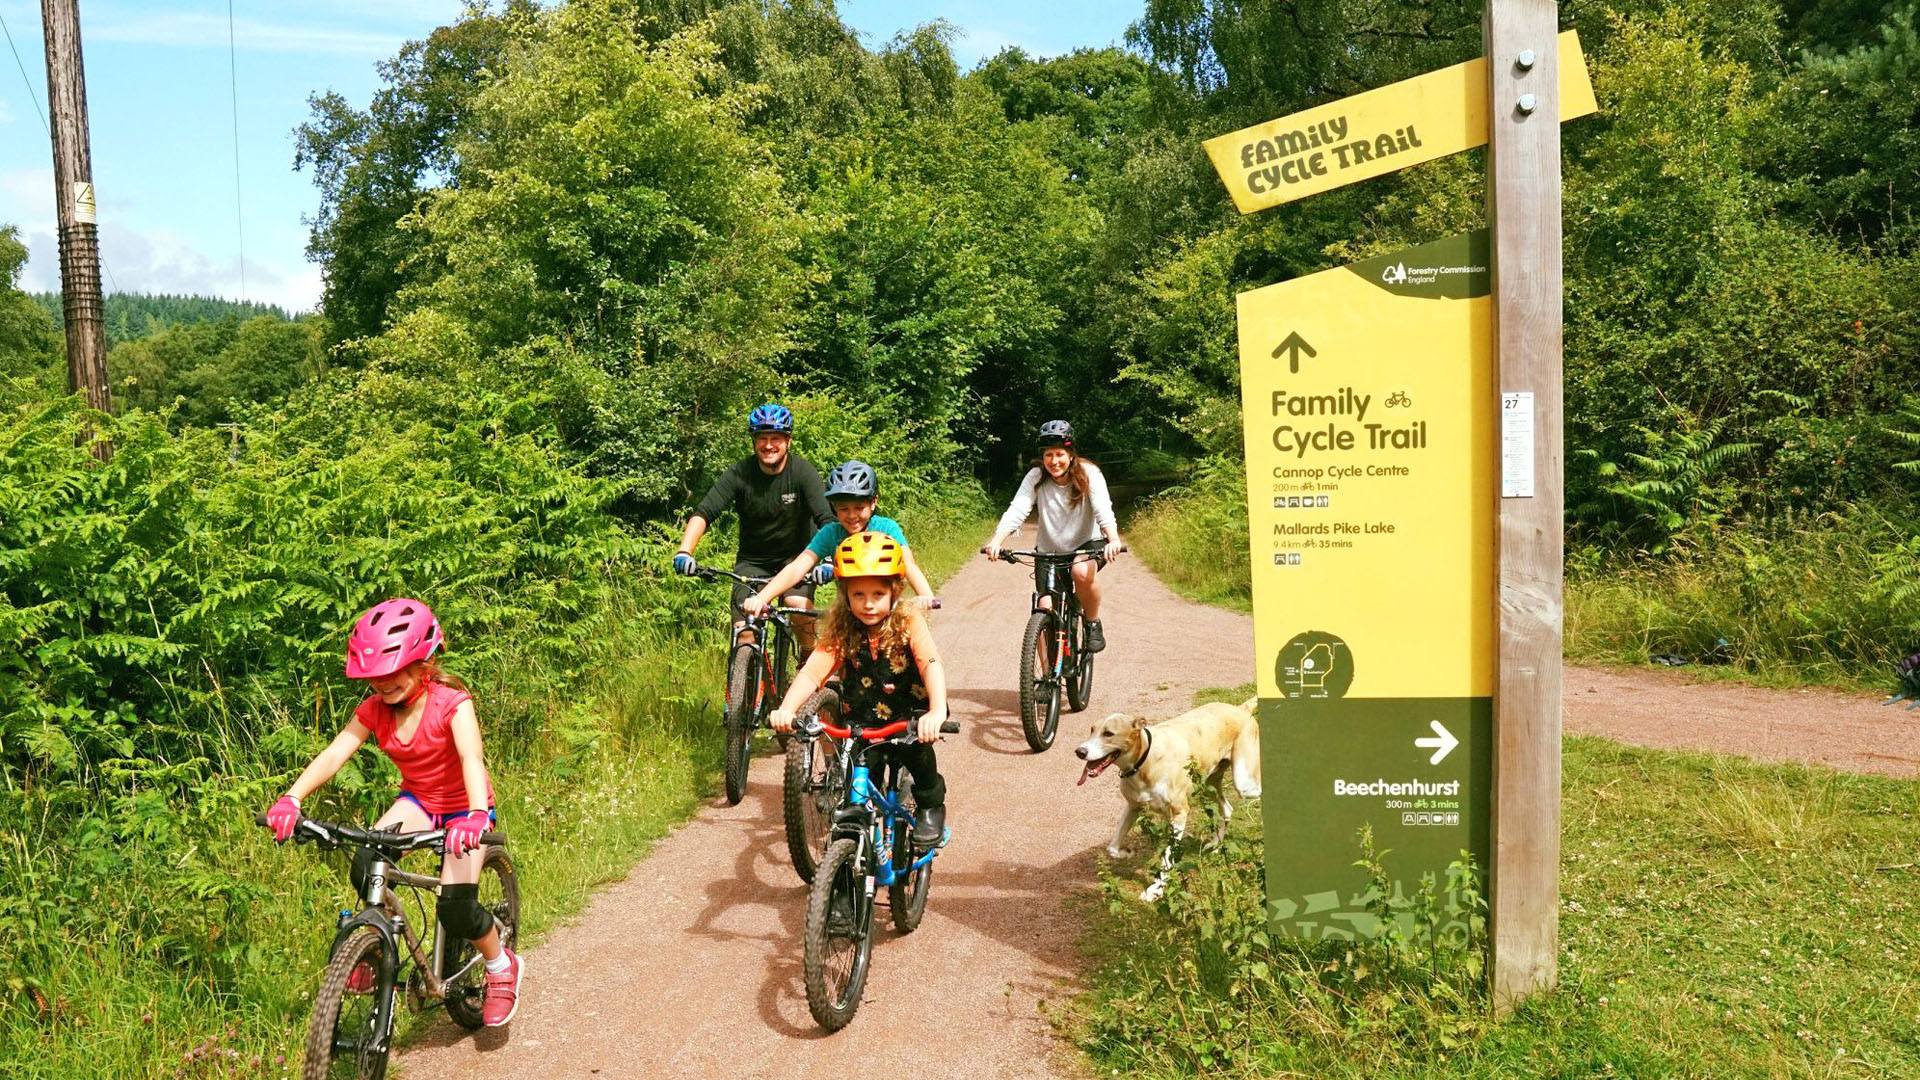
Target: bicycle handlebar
[
  {"x": 1076, "y": 555},
  {"x": 887, "y": 733},
  {"x": 716, "y": 572},
  {"x": 331, "y": 832}
]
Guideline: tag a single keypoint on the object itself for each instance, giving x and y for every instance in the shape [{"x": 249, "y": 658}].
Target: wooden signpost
[{"x": 1473, "y": 360}]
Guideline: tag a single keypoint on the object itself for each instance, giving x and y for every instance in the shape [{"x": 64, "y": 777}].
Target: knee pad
[{"x": 459, "y": 910}]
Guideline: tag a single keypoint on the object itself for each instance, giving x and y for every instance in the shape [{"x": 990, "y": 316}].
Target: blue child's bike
[{"x": 871, "y": 848}]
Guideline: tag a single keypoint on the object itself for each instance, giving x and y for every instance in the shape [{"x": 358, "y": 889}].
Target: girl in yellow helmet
[{"x": 889, "y": 666}]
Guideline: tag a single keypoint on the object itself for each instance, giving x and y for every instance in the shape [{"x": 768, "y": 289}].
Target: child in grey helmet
[{"x": 853, "y": 491}]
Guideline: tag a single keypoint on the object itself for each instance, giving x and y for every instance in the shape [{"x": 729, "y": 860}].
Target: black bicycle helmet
[
  {"x": 1056, "y": 433},
  {"x": 852, "y": 480}
]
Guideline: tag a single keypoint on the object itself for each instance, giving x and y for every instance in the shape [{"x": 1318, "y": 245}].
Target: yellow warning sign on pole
[{"x": 1367, "y": 135}]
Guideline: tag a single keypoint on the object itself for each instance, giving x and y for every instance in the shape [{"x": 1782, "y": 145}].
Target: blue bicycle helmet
[
  {"x": 1056, "y": 433},
  {"x": 852, "y": 480},
  {"x": 777, "y": 419}
]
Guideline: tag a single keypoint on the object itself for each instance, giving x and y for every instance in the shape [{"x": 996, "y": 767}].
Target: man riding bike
[{"x": 780, "y": 502}]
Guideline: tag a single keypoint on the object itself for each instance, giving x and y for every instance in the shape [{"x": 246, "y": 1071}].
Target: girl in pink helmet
[{"x": 423, "y": 718}]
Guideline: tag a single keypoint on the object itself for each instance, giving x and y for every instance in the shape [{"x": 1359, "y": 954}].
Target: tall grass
[
  {"x": 1799, "y": 599},
  {"x": 1796, "y": 599},
  {"x": 1194, "y": 536}
]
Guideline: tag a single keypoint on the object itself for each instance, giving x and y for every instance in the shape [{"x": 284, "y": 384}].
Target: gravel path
[{"x": 691, "y": 966}]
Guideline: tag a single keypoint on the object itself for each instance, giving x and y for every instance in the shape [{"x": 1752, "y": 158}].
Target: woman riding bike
[{"x": 1071, "y": 495}]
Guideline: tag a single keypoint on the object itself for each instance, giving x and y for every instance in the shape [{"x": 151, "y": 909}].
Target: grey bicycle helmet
[
  {"x": 1056, "y": 433},
  {"x": 852, "y": 480}
]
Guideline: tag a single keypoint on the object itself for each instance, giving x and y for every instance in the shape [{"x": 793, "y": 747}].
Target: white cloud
[
  {"x": 210, "y": 31},
  {"x": 161, "y": 261},
  {"x": 6, "y": 115}
]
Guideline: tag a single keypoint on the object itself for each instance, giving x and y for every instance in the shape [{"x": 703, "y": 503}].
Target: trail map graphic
[{"x": 1316, "y": 665}]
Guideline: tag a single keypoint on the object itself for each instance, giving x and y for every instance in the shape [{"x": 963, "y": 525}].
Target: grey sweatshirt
[{"x": 1063, "y": 526}]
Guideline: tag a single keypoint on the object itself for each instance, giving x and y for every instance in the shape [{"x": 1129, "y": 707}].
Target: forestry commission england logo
[{"x": 1395, "y": 274}]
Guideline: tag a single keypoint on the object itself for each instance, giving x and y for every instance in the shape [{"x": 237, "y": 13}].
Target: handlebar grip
[{"x": 951, "y": 727}]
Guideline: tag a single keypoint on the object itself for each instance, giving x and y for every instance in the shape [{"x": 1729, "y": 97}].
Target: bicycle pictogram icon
[{"x": 1398, "y": 400}]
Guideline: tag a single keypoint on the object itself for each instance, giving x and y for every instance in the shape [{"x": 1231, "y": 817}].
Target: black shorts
[{"x": 741, "y": 592}]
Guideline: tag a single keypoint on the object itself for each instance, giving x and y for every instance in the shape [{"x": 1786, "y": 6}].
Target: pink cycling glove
[
  {"x": 463, "y": 833},
  {"x": 283, "y": 817}
]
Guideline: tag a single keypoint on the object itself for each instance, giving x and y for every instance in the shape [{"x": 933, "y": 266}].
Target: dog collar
[{"x": 1148, "y": 732}]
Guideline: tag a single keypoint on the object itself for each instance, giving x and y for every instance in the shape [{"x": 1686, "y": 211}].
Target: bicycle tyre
[
  {"x": 811, "y": 790},
  {"x": 327, "y": 1058},
  {"x": 833, "y": 994},
  {"x": 742, "y": 699},
  {"x": 1080, "y": 683},
  {"x": 501, "y": 896},
  {"x": 907, "y": 895},
  {"x": 1039, "y": 694}
]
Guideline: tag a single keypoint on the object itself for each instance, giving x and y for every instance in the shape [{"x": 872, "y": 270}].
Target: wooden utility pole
[
  {"x": 73, "y": 198},
  {"x": 1523, "y": 196}
]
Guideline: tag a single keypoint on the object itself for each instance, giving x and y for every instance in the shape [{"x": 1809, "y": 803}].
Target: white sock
[{"x": 499, "y": 963}]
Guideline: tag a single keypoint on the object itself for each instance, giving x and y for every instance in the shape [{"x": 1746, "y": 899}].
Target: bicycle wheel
[
  {"x": 1039, "y": 690},
  {"x": 813, "y": 787},
  {"x": 743, "y": 698},
  {"x": 907, "y": 896},
  {"x": 776, "y": 689},
  {"x": 1079, "y": 664},
  {"x": 347, "y": 1037},
  {"x": 499, "y": 894},
  {"x": 839, "y": 937}
]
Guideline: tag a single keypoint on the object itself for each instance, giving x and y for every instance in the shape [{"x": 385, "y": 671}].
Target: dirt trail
[{"x": 691, "y": 966}]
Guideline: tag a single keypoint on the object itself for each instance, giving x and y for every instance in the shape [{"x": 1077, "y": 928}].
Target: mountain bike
[
  {"x": 352, "y": 1026},
  {"x": 1053, "y": 654},
  {"x": 757, "y": 678},
  {"x": 815, "y": 783},
  {"x": 871, "y": 848}
]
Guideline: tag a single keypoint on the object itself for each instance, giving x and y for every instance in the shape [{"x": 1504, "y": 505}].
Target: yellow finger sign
[{"x": 1367, "y": 135}]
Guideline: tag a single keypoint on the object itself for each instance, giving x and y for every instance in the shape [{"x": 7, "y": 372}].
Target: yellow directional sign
[
  {"x": 1371, "y": 134},
  {"x": 1369, "y": 406}
]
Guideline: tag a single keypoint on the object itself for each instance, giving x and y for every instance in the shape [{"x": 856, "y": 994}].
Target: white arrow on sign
[{"x": 1442, "y": 746}]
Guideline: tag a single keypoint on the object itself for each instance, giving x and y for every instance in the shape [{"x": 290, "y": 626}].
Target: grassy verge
[
  {"x": 1798, "y": 601},
  {"x": 1719, "y": 919},
  {"x": 1795, "y": 601},
  {"x": 1194, "y": 537}
]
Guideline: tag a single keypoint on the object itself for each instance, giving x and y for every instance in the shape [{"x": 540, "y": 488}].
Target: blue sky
[{"x": 160, "y": 102}]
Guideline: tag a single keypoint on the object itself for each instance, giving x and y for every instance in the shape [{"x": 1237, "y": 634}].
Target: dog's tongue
[{"x": 1094, "y": 768}]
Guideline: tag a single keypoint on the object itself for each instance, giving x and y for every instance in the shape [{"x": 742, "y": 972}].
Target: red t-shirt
[{"x": 429, "y": 762}]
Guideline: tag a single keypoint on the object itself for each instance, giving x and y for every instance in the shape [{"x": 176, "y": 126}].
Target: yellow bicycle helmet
[{"x": 869, "y": 554}]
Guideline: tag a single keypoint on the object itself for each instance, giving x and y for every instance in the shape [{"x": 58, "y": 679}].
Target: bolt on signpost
[{"x": 1402, "y": 419}]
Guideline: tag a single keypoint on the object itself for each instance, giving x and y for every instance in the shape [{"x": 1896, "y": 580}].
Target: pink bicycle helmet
[{"x": 391, "y": 635}]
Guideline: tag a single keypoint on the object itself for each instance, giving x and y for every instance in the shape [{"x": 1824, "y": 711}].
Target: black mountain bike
[
  {"x": 758, "y": 674},
  {"x": 1053, "y": 654},
  {"x": 352, "y": 1026}
]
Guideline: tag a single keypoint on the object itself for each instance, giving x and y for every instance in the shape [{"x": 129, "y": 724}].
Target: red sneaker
[
  {"x": 503, "y": 994},
  {"x": 360, "y": 979}
]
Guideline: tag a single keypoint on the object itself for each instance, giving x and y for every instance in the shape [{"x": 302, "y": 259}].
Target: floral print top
[{"x": 878, "y": 690}]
